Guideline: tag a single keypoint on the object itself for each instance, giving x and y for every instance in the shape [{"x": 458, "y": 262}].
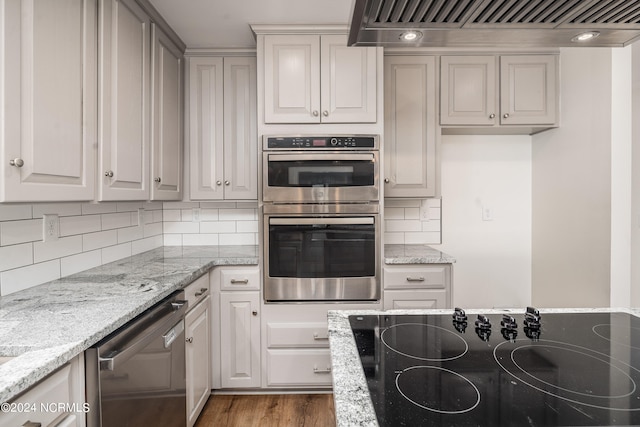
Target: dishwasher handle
[{"x": 148, "y": 333}]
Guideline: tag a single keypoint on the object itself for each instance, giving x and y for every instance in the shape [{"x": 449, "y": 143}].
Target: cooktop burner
[{"x": 555, "y": 369}]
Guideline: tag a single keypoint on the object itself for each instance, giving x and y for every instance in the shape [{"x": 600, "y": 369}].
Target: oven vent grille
[{"x": 490, "y": 13}]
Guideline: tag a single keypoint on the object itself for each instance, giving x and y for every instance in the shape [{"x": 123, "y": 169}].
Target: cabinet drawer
[
  {"x": 299, "y": 368},
  {"x": 415, "y": 299},
  {"x": 197, "y": 290},
  {"x": 415, "y": 277},
  {"x": 239, "y": 279},
  {"x": 297, "y": 335},
  {"x": 50, "y": 391}
]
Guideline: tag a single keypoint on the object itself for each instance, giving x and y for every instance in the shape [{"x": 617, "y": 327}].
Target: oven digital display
[{"x": 319, "y": 142}]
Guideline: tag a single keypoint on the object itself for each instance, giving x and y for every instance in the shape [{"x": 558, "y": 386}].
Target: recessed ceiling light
[
  {"x": 410, "y": 36},
  {"x": 583, "y": 37}
]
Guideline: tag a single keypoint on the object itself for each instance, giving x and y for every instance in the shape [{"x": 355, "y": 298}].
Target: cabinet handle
[
  {"x": 17, "y": 162},
  {"x": 254, "y": 312},
  {"x": 189, "y": 340},
  {"x": 492, "y": 116},
  {"x": 506, "y": 115},
  {"x": 317, "y": 337},
  {"x": 218, "y": 182},
  {"x": 227, "y": 182},
  {"x": 315, "y": 113},
  {"x": 415, "y": 279},
  {"x": 108, "y": 174},
  {"x": 158, "y": 179},
  {"x": 239, "y": 281},
  {"x": 31, "y": 424},
  {"x": 201, "y": 291},
  {"x": 325, "y": 113},
  {"x": 321, "y": 371},
  {"x": 386, "y": 180}
]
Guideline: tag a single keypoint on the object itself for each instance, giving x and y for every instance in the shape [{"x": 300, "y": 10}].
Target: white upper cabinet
[
  {"x": 124, "y": 109},
  {"x": 223, "y": 139},
  {"x": 318, "y": 79},
  {"x": 410, "y": 126},
  {"x": 48, "y": 98},
  {"x": 507, "y": 91},
  {"x": 166, "y": 128}
]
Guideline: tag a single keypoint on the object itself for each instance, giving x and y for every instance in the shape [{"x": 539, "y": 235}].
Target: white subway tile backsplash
[
  {"x": 26, "y": 277},
  {"x": 216, "y": 205},
  {"x": 146, "y": 244},
  {"x": 237, "y": 214},
  {"x": 180, "y": 227},
  {"x": 15, "y": 212},
  {"x": 247, "y": 226},
  {"x": 153, "y": 229},
  {"x": 80, "y": 262},
  {"x": 98, "y": 208},
  {"x": 209, "y": 214},
  {"x": 15, "y": 256},
  {"x": 393, "y": 213},
  {"x": 173, "y": 239},
  {"x": 70, "y": 225},
  {"x": 200, "y": 239},
  {"x": 172, "y": 215},
  {"x": 128, "y": 206},
  {"x": 412, "y": 213},
  {"x": 64, "y": 246},
  {"x": 402, "y": 203},
  {"x": 218, "y": 227},
  {"x": 393, "y": 238},
  {"x": 114, "y": 253},
  {"x": 404, "y": 224},
  {"x": 15, "y": 232},
  {"x": 157, "y": 215},
  {"x": 395, "y": 226},
  {"x": 129, "y": 234},
  {"x": 61, "y": 209},
  {"x": 116, "y": 220},
  {"x": 187, "y": 214},
  {"x": 238, "y": 239},
  {"x": 99, "y": 240},
  {"x": 180, "y": 205}
]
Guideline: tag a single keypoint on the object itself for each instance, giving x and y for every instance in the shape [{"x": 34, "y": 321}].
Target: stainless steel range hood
[{"x": 495, "y": 23}]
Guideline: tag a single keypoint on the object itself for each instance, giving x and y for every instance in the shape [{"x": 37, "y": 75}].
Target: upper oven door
[{"x": 320, "y": 177}]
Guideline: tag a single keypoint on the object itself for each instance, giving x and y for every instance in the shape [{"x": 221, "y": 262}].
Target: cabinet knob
[
  {"x": 17, "y": 163},
  {"x": 254, "y": 312},
  {"x": 109, "y": 174},
  {"x": 506, "y": 115},
  {"x": 315, "y": 113},
  {"x": 325, "y": 113},
  {"x": 189, "y": 340},
  {"x": 386, "y": 180},
  {"x": 227, "y": 182},
  {"x": 202, "y": 291},
  {"x": 158, "y": 179},
  {"x": 492, "y": 116},
  {"x": 218, "y": 182}
]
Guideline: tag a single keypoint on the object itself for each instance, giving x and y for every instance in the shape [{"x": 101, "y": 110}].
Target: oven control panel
[{"x": 320, "y": 142}]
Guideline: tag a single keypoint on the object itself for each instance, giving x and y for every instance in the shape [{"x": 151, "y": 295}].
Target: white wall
[
  {"x": 635, "y": 178},
  {"x": 493, "y": 267},
  {"x": 572, "y": 188}
]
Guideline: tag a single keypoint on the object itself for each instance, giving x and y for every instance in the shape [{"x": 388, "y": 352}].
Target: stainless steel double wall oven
[{"x": 321, "y": 218}]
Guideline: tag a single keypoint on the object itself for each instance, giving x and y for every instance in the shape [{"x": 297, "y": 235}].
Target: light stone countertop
[
  {"x": 352, "y": 400},
  {"x": 415, "y": 254},
  {"x": 48, "y": 325}
]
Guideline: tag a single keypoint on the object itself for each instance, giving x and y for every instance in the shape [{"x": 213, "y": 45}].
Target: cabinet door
[
  {"x": 240, "y": 129},
  {"x": 415, "y": 299},
  {"x": 197, "y": 334},
  {"x": 410, "y": 126},
  {"x": 528, "y": 89},
  {"x": 48, "y": 90},
  {"x": 166, "y": 126},
  {"x": 468, "y": 85},
  {"x": 348, "y": 81},
  {"x": 292, "y": 78},
  {"x": 124, "y": 109},
  {"x": 205, "y": 128},
  {"x": 240, "y": 339}
]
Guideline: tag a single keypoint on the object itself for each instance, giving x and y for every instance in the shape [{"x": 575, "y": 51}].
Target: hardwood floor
[{"x": 270, "y": 410}]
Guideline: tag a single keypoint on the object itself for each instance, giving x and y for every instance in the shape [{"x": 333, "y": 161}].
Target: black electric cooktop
[{"x": 551, "y": 369}]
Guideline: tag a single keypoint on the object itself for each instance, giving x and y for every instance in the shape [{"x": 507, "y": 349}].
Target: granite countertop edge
[
  {"x": 352, "y": 401},
  {"x": 415, "y": 254},
  {"x": 112, "y": 295}
]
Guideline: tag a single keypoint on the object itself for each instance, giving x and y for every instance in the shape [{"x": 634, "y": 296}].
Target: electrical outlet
[
  {"x": 424, "y": 210},
  {"x": 487, "y": 214},
  {"x": 195, "y": 215},
  {"x": 51, "y": 227}
]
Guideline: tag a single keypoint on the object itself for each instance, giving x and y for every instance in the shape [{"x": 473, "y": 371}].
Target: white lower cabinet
[
  {"x": 417, "y": 286},
  {"x": 58, "y": 400},
  {"x": 236, "y": 327},
  {"x": 197, "y": 333},
  {"x": 299, "y": 367}
]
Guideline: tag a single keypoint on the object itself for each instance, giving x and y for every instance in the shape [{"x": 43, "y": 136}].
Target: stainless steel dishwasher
[{"x": 136, "y": 375}]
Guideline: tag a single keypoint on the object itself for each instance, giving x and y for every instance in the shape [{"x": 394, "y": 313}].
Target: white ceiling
[{"x": 225, "y": 23}]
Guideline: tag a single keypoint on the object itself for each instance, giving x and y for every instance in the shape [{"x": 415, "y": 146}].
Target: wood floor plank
[{"x": 268, "y": 410}]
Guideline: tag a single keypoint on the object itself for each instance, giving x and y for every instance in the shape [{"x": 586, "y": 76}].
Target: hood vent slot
[{"x": 551, "y": 22}]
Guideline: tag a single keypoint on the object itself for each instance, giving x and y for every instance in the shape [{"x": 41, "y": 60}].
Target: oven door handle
[
  {"x": 364, "y": 157},
  {"x": 322, "y": 221}
]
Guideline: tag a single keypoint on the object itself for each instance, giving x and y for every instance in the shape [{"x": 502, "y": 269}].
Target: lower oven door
[{"x": 322, "y": 258}]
